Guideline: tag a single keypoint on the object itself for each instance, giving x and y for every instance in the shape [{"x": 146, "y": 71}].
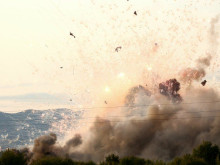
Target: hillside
[{"x": 20, "y": 129}]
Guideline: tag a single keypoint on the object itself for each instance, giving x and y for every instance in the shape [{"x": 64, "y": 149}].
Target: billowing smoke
[
  {"x": 73, "y": 143},
  {"x": 163, "y": 130},
  {"x": 162, "y": 133},
  {"x": 170, "y": 89},
  {"x": 47, "y": 146},
  {"x": 44, "y": 145}
]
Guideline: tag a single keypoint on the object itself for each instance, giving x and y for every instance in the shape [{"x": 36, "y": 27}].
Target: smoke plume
[{"x": 163, "y": 131}]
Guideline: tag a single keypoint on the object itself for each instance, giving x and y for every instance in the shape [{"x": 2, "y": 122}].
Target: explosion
[
  {"x": 158, "y": 132},
  {"x": 151, "y": 125}
]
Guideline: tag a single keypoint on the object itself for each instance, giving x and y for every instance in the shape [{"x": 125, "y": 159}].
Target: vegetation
[
  {"x": 204, "y": 154},
  {"x": 12, "y": 157}
]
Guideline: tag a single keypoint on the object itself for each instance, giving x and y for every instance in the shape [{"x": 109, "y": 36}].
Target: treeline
[{"x": 204, "y": 154}]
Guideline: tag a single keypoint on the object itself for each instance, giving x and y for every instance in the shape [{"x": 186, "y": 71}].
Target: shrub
[
  {"x": 207, "y": 152},
  {"x": 132, "y": 161},
  {"x": 12, "y": 157},
  {"x": 188, "y": 160}
]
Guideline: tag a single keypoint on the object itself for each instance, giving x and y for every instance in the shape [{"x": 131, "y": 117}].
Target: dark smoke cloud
[
  {"x": 47, "y": 146},
  {"x": 170, "y": 89},
  {"x": 44, "y": 145},
  {"x": 73, "y": 143}
]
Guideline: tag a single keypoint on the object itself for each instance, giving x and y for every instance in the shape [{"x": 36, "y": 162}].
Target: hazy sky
[{"x": 35, "y": 43}]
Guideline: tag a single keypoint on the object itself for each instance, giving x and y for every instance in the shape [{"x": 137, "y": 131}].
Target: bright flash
[
  {"x": 107, "y": 89},
  {"x": 120, "y": 75},
  {"x": 149, "y": 68}
]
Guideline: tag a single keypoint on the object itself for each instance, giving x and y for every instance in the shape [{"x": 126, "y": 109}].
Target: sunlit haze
[{"x": 43, "y": 67}]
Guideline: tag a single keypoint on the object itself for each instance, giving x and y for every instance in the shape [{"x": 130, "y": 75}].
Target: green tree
[
  {"x": 208, "y": 152},
  {"x": 157, "y": 162},
  {"x": 12, "y": 157},
  {"x": 86, "y": 163},
  {"x": 132, "y": 161},
  {"x": 59, "y": 161},
  {"x": 111, "y": 160},
  {"x": 53, "y": 161},
  {"x": 188, "y": 160}
]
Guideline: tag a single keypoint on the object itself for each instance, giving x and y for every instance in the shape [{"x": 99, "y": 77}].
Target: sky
[{"x": 43, "y": 67}]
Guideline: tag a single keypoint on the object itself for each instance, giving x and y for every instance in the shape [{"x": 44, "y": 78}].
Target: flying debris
[
  {"x": 61, "y": 67},
  {"x": 71, "y": 100},
  {"x": 170, "y": 89},
  {"x": 118, "y": 48},
  {"x": 106, "y": 102},
  {"x": 155, "y": 44},
  {"x": 135, "y": 13},
  {"x": 72, "y": 35},
  {"x": 204, "y": 82}
]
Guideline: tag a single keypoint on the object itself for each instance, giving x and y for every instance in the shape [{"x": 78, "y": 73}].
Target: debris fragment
[
  {"x": 72, "y": 35},
  {"x": 106, "y": 102},
  {"x": 61, "y": 67},
  {"x": 118, "y": 48},
  {"x": 203, "y": 82},
  {"x": 71, "y": 100},
  {"x": 135, "y": 13}
]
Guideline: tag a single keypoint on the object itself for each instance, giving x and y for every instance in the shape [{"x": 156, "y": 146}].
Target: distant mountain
[{"x": 20, "y": 129}]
